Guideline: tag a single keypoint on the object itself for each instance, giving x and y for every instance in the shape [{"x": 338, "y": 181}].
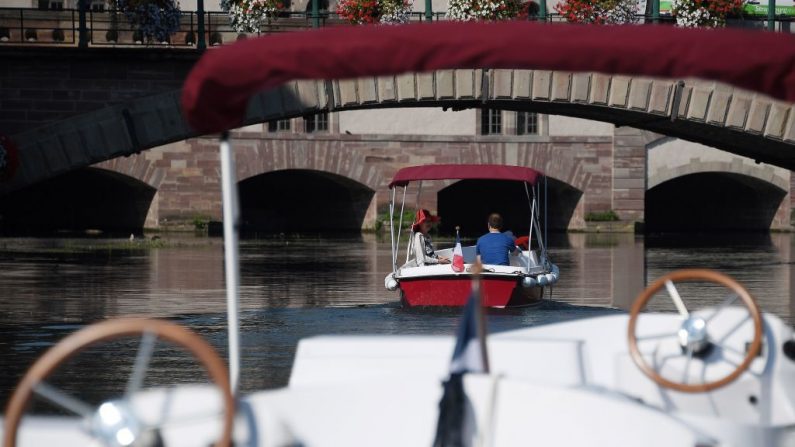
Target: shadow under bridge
[
  {"x": 298, "y": 200},
  {"x": 468, "y": 203}
]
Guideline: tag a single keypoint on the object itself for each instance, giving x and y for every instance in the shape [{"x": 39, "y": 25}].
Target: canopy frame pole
[
  {"x": 535, "y": 222},
  {"x": 400, "y": 224},
  {"x": 231, "y": 216},
  {"x": 392, "y": 230},
  {"x": 532, "y": 204},
  {"x": 546, "y": 214},
  {"x": 417, "y": 209}
]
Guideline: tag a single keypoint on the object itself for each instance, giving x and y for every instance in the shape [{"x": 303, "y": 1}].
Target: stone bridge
[{"x": 71, "y": 109}]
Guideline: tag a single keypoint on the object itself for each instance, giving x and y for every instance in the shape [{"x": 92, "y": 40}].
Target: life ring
[
  {"x": 9, "y": 158},
  {"x": 522, "y": 242}
]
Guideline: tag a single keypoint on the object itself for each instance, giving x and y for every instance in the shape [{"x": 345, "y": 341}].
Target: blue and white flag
[{"x": 469, "y": 356}]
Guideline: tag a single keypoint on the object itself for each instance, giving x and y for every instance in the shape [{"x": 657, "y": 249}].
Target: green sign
[{"x": 751, "y": 7}]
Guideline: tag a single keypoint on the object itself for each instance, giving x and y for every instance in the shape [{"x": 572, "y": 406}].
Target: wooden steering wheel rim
[
  {"x": 109, "y": 330},
  {"x": 694, "y": 275}
]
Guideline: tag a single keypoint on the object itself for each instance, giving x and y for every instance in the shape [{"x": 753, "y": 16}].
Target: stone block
[
  {"x": 600, "y": 87},
  {"x": 174, "y": 127},
  {"x": 405, "y": 87},
  {"x": 561, "y": 86},
  {"x": 445, "y": 84},
  {"x": 465, "y": 84},
  {"x": 699, "y": 103},
  {"x": 789, "y": 127},
  {"x": 684, "y": 101},
  {"x": 289, "y": 96},
  {"x": 346, "y": 92},
  {"x": 501, "y": 84},
  {"x": 757, "y": 115},
  {"x": 777, "y": 120},
  {"x": 272, "y": 104},
  {"x": 639, "y": 91},
  {"x": 425, "y": 86},
  {"x": 478, "y": 82},
  {"x": 522, "y": 84},
  {"x": 386, "y": 89},
  {"x": 719, "y": 106},
  {"x": 53, "y": 155},
  {"x": 580, "y": 86},
  {"x": 367, "y": 90},
  {"x": 619, "y": 91},
  {"x": 660, "y": 97},
  {"x": 72, "y": 144},
  {"x": 542, "y": 85},
  {"x": 738, "y": 112},
  {"x": 629, "y": 183},
  {"x": 308, "y": 94}
]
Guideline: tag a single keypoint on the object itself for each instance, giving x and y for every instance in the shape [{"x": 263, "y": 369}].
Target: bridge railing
[{"x": 108, "y": 28}]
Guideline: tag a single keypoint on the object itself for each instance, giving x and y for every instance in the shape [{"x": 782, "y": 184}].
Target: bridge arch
[
  {"x": 736, "y": 121},
  {"x": 83, "y": 200},
  {"x": 696, "y": 188},
  {"x": 467, "y": 203},
  {"x": 301, "y": 200},
  {"x": 709, "y": 201}
]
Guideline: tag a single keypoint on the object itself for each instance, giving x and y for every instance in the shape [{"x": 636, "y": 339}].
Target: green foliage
[
  {"x": 200, "y": 223},
  {"x": 602, "y": 216}
]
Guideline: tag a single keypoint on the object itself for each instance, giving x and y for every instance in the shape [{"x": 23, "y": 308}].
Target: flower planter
[
  {"x": 31, "y": 35},
  {"x": 216, "y": 39},
  {"x": 112, "y": 36},
  {"x": 58, "y": 35},
  {"x": 190, "y": 38},
  {"x": 5, "y": 34}
]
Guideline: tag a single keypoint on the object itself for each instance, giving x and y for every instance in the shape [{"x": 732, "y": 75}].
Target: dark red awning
[
  {"x": 216, "y": 93},
  {"x": 463, "y": 172}
]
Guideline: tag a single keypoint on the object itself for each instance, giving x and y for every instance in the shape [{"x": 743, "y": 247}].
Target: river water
[{"x": 298, "y": 286}]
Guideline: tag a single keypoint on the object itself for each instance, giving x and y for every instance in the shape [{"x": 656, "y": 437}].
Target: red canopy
[
  {"x": 462, "y": 172},
  {"x": 217, "y": 90}
]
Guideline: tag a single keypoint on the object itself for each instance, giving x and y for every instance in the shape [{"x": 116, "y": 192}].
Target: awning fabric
[
  {"x": 463, "y": 172},
  {"x": 216, "y": 92}
]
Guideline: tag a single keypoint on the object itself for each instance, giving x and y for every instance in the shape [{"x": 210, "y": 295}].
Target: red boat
[{"x": 521, "y": 283}]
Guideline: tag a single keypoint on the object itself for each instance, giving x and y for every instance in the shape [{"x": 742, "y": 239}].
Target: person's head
[
  {"x": 423, "y": 221},
  {"x": 495, "y": 222}
]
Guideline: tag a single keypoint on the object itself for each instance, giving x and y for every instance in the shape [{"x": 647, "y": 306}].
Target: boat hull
[{"x": 497, "y": 291}]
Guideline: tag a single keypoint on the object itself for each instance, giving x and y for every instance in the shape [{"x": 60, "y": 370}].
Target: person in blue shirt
[{"x": 494, "y": 246}]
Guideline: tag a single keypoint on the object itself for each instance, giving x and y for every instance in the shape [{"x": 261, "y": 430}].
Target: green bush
[{"x": 602, "y": 216}]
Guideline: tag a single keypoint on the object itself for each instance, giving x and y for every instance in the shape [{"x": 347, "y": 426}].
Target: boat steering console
[{"x": 692, "y": 335}]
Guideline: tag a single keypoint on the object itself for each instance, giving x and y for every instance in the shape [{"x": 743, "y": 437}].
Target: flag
[
  {"x": 458, "y": 254},
  {"x": 453, "y": 428}
]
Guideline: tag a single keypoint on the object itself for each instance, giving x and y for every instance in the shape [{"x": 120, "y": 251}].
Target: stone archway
[
  {"x": 301, "y": 200},
  {"x": 712, "y": 189},
  {"x": 712, "y": 201},
  {"x": 467, "y": 203},
  {"x": 87, "y": 199}
]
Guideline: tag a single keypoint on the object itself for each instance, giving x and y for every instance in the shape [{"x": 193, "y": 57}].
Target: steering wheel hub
[
  {"x": 693, "y": 334},
  {"x": 115, "y": 423}
]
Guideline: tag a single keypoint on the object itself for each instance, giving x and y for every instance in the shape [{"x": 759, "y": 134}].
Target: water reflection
[{"x": 293, "y": 287}]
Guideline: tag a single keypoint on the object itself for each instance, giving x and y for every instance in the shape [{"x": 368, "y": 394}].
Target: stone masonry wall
[{"x": 186, "y": 174}]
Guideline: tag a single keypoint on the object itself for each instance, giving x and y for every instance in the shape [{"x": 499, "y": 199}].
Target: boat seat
[{"x": 328, "y": 359}]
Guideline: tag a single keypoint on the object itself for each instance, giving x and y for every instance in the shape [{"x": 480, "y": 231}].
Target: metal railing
[{"x": 109, "y": 28}]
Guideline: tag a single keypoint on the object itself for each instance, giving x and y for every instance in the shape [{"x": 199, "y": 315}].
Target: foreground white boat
[{"x": 721, "y": 376}]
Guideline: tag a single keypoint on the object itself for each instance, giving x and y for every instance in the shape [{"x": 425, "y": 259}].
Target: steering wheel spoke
[
  {"x": 677, "y": 299},
  {"x": 63, "y": 400},
  {"x": 118, "y": 411},
  {"x": 142, "y": 358},
  {"x": 693, "y": 337}
]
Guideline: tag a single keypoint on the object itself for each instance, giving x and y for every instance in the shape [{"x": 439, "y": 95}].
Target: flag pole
[{"x": 477, "y": 270}]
